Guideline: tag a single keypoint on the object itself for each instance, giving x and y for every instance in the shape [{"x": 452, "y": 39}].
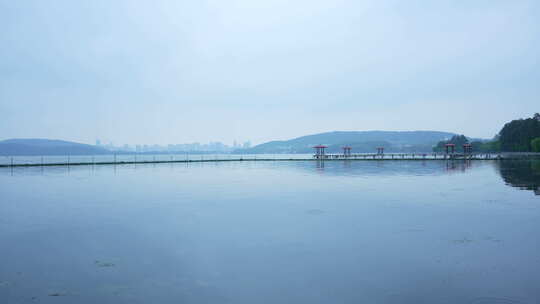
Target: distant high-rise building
[
  {"x": 247, "y": 145},
  {"x": 98, "y": 142}
]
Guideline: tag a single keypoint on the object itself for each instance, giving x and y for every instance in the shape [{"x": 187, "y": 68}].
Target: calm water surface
[{"x": 272, "y": 232}]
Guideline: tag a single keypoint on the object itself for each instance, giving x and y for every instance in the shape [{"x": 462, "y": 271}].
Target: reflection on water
[
  {"x": 458, "y": 165},
  {"x": 271, "y": 232},
  {"x": 521, "y": 174},
  {"x": 390, "y": 167}
]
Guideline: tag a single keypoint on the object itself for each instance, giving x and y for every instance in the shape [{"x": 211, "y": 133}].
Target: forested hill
[
  {"x": 47, "y": 147},
  {"x": 361, "y": 141},
  {"x": 518, "y": 135}
]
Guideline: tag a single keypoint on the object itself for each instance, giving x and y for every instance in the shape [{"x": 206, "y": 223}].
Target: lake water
[{"x": 272, "y": 232}]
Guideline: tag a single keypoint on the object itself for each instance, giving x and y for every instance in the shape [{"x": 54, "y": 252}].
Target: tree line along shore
[{"x": 520, "y": 135}]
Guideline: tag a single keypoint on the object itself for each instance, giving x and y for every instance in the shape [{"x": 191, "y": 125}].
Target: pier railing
[
  {"x": 409, "y": 156},
  {"x": 74, "y": 160},
  {"x": 431, "y": 156}
]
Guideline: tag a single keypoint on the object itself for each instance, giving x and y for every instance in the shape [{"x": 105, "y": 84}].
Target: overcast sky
[{"x": 184, "y": 71}]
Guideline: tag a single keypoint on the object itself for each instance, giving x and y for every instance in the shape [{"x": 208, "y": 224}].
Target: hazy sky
[{"x": 183, "y": 71}]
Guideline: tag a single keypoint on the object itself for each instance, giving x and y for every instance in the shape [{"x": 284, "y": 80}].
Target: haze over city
[{"x": 162, "y": 72}]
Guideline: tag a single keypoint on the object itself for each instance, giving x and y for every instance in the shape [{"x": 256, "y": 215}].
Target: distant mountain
[
  {"x": 36, "y": 146},
  {"x": 360, "y": 141}
]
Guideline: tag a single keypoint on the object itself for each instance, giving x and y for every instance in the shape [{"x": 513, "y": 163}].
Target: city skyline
[{"x": 213, "y": 146}]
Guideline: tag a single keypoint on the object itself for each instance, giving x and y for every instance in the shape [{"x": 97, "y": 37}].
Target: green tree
[
  {"x": 458, "y": 140},
  {"x": 488, "y": 146},
  {"x": 535, "y": 144},
  {"x": 517, "y": 135}
]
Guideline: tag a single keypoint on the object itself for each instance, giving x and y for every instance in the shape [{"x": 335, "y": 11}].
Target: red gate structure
[
  {"x": 320, "y": 151},
  {"x": 346, "y": 151}
]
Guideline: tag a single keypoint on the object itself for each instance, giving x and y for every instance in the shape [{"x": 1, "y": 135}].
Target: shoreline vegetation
[{"x": 520, "y": 135}]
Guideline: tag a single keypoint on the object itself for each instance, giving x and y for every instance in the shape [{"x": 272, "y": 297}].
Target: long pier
[
  {"x": 316, "y": 157},
  {"x": 431, "y": 156},
  {"x": 412, "y": 156}
]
